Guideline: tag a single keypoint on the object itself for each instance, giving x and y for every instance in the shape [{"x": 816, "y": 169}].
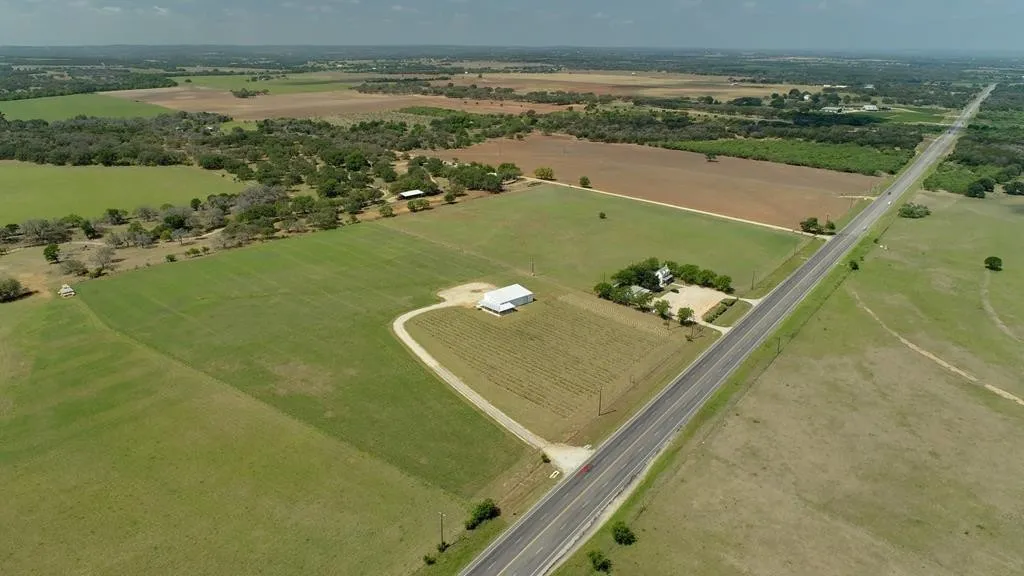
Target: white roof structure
[
  {"x": 412, "y": 194},
  {"x": 66, "y": 291},
  {"x": 505, "y": 299}
]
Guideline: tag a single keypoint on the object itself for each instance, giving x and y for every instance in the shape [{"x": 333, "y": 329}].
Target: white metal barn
[
  {"x": 411, "y": 194},
  {"x": 505, "y": 299}
]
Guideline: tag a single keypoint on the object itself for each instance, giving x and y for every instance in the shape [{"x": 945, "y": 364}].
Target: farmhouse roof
[
  {"x": 506, "y": 294},
  {"x": 412, "y": 193}
]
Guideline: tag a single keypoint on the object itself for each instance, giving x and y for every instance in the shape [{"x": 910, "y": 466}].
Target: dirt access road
[{"x": 765, "y": 192}]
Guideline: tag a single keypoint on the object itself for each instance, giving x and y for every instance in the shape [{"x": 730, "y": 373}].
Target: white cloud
[{"x": 161, "y": 11}]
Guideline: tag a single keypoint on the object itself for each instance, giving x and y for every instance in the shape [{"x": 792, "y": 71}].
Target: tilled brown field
[
  {"x": 760, "y": 191},
  {"x": 310, "y": 104},
  {"x": 621, "y": 84}
]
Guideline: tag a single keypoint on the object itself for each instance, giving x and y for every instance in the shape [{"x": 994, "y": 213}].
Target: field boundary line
[{"x": 683, "y": 208}]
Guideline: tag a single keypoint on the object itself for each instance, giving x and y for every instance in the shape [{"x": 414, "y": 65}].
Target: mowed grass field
[
  {"x": 556, "y": 233},
  {"x": 43, "y": 191},
  {"x": 854, "y": 454},
  {"x": 115, "y": 459},
  {"x": 65, "y": 107},
  {"x": 248, "y": 412}
]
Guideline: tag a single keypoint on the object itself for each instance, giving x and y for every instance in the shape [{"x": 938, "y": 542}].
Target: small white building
[
  {"x": 870, "y": 108},
  {"x": 66, "y": 291},
  {"x": 507, "y": 299},
  {"x": 411, "y": 194}
]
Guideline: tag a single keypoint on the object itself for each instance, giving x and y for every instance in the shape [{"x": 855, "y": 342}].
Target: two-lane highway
[{"x": 540, "y": 538}]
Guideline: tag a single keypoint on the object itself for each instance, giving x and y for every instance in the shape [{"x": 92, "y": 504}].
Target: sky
[{"x": 839, "y": 25}]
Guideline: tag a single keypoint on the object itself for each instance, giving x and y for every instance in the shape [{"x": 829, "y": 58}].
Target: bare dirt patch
[
  {"x": 309, "y": 104},
  {"x": 761, "y": 191}
]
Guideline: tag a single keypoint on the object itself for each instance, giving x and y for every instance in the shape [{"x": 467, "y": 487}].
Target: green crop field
[
  {"x": 545, "y": 364},
  {"x": 65, "y": 107},
  {"x": 853, "y": 453},
  {"x": 43, "y": 191},
  {"x": 292, "y": 84},
  {"x": 840, "y": 157},
  {"x": 556, "y": 232}
]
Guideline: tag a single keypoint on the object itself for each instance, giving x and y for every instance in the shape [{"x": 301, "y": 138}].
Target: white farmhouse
[
  {"x": 507, "y": 299},
  {"x": 664, "y": 276}
]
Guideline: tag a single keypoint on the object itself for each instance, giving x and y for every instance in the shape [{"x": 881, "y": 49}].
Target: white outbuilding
[
  {"x": 66, "y": 291},
  {"x": 411, "y": 194},
  {"x": 507, "y": 299}
]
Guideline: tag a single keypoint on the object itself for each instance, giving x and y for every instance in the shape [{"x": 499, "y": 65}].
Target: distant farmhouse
[
  {"x": 664, "y": 276},
  {"x": 505, "y": 300}
]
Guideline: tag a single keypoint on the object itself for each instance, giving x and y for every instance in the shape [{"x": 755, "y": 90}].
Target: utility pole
[
  {"x": 600, "y": 393},
  {"x": 532, "y": 271},
  {"x": 753, "y": 273},
  {"x": 443, "y": 543}
]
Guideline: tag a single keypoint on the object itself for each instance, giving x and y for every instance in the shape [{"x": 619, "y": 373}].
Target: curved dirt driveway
[{"x": 566, "y": 458}]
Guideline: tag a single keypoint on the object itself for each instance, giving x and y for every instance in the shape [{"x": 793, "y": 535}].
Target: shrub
[
  {"x": 11, "y": 289},
  {"x": 622, "y": 534},
  {"x": 52, "y": 253},
  {"x": 584, "y": 181},
  {"x": 449, "y": 197},
  {"x": 911, "y": 210},
  {"x": 599, "y": 561},
  {"x": 171, "y": 258},
  {"x": 994, "y": 263},
  {"x": 976, "y": 190},
  {"x": 74, "y": 267},
  {"x": 386, "y": 211},
  {"x": 544, "y": 173},
  {"x": 418, "y": 205},
  {"x": 545, "y": 458},
  {"x": 711, "y": 315},
  {"x": 482, "y": 512},
  {"x": 429, "y": 559},
  {"x": 854, "y": 265},
  {"x": 602, "y": 215}
]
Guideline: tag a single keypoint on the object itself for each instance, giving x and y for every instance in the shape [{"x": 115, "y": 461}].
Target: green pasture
[
  {"x": 555, "y": 232},
  {"x": 117, "y": 459},
  {"x": 44, "y": 191},
  {"x": 65, "y": 107},
  {"x": 292, "y": 84},
  {"x": 304, "y": 325}
]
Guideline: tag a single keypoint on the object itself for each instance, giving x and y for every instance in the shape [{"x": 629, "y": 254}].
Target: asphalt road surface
[{"x": 552, "y": 527}]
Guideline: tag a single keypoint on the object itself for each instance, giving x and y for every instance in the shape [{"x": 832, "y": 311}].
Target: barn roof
[
  {"x": 412, "y": 193},
  {"x": 506, "y": 294}
]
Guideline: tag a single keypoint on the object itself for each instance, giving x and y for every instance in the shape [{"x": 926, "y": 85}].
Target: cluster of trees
[
  {"x": 21, "y": 84},
  {"x": 990, "y": 151},
  {"x": 474, "y": 92},
  {"x": 462, "y": 176},
  {"x": 994, "y": 263},
  {"x": 814, "y": 226},
  {"x": 247, "y": 93},
  {"x": 912, "y": 210}
]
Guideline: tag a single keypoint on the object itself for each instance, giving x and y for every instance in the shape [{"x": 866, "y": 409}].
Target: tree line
[
  {"x": 989, "y": 152},
  {"x": 21, "y": 84}
]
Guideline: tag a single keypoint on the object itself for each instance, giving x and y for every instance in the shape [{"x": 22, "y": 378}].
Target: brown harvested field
[
  {"x": 309, "y": 104},
  {"x": 765, "y": 192},
  {"x": 625, "y": 83}
]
